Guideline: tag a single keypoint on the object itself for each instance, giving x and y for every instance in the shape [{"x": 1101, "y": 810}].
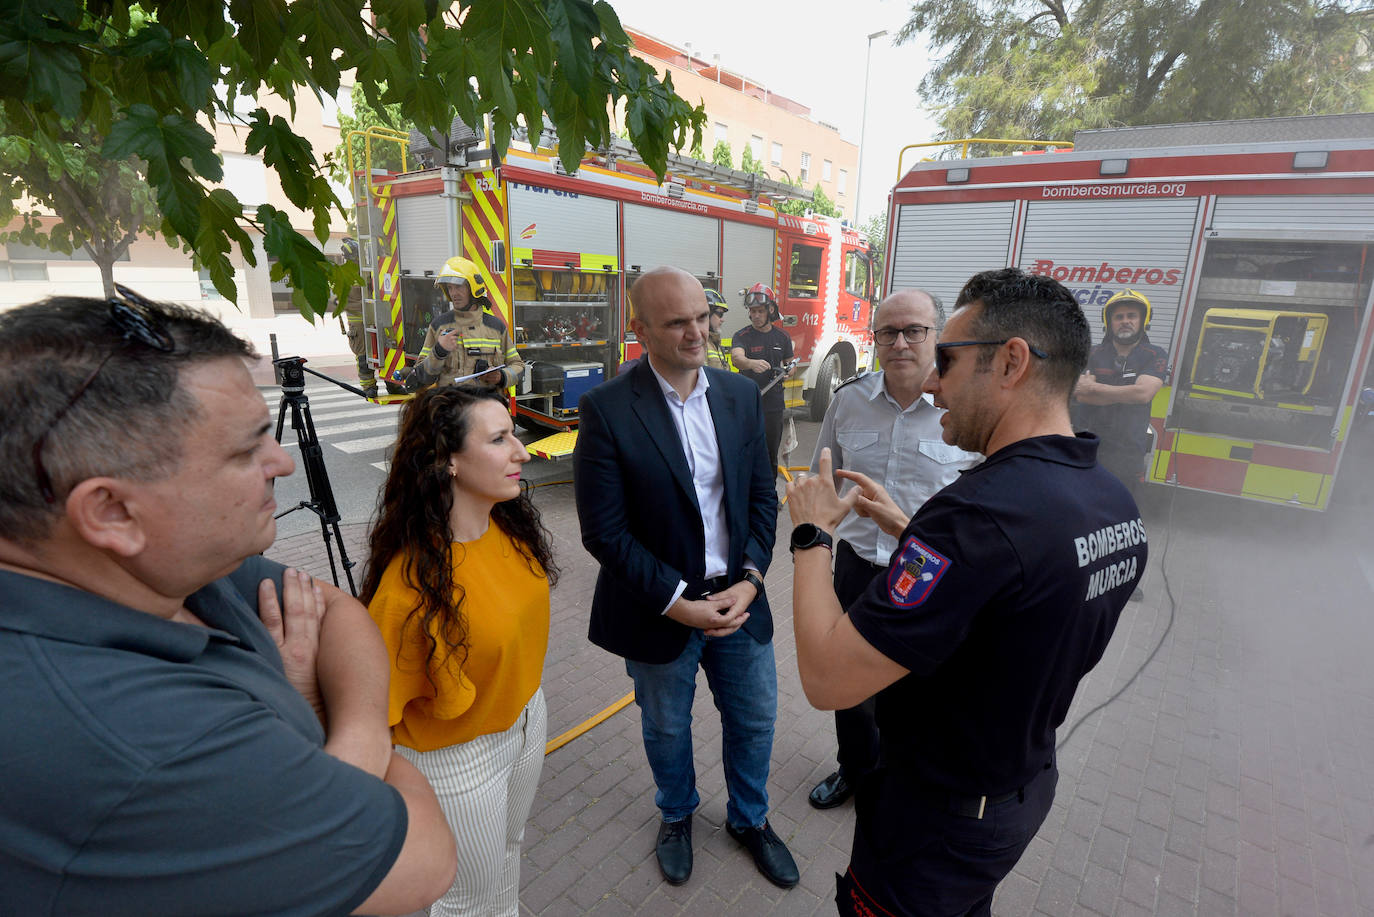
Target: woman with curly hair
[{"x": 458, "y": 579}]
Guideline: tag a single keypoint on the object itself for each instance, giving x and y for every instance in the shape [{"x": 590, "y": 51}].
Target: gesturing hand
[
  {"x": 812, "y": 498},
  {"x": 294, "y": 624},
  {"x": 872, "y": 501}
]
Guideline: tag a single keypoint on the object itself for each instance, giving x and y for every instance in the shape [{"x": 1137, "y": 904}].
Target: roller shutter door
[
  {"x": 939, "y": 246},
  {"x": 1097, "y": 248},
  {"x": 748, "y": 258},
  {"x": 1325, "y": 216},
  {"x": 654, "y": 237},
  {"x": 422, "y": 233},
  {"x": 543, "y": 220}
]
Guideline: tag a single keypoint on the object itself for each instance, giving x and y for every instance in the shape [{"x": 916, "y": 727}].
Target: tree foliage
[
  {"x": 747, "y": 162},
  {"x": 722, "y": 155},
  {"x": 143, "y": 78},
  {"x": 384, "y": 155},
  {"x": 101, "y": 204},
  {"x": 875, "y": 229},
  {"x": 1044, "y": 68},
  {"x": 820, "y": 203}
]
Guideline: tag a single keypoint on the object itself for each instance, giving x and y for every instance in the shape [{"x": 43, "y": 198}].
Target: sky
[{"x": 806, "y": 50}]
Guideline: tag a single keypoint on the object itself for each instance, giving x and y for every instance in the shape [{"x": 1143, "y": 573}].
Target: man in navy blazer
[{"x": 676, "y": 501}]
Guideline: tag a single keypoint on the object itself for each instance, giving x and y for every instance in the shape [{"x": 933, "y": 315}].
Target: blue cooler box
[{"x": 578, "y": 378}]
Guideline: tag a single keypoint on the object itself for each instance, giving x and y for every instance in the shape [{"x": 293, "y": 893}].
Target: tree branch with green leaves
[{"x": 111, "y": 96}]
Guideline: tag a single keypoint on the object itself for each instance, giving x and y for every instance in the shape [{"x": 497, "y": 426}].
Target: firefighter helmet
[
  {"x": 349, "y": 249},
  {"x": 762, "y": 295},
  {"x": 759, "y": 295},
  {"x": 462, "y": 271},
  {"x": 1123, "y": 298},
  {"x": 715, "y": 302}
]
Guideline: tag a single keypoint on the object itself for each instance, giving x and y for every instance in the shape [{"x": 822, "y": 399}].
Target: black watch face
[{"x": 805, "y": 535}]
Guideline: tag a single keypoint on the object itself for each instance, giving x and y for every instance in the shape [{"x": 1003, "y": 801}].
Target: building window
[
  {"x": 839, "y": 186},
  {"x": 244, "y": 105},
  {"x": 207, "y": 286},
  {"x": 722, "y": 133},
  {"x": 23, "y": 270},
  {"x": 281, "y": 293},
  {"x": 805, "y": 173},
  {"x": 777, "y": 153},
  {"x": 825, "y": 170},
  {"x": 342, "y": 102},
  {"x": 756, "y": 147}
]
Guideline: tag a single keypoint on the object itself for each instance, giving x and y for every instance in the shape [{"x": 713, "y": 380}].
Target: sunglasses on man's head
[
  {"x": 138, "y": 322},
  {"x": 942, "y": 358}
]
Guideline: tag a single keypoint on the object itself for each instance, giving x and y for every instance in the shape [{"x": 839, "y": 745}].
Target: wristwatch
[
  {"x": 751, "y": 577},
  {"x": 809, "y": 535}
]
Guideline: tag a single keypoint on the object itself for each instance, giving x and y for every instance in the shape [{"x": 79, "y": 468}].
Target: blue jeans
[{"x": 744, "y": 683}]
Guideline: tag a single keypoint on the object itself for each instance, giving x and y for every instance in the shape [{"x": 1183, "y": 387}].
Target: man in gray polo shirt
[
  {"x": 881, "y": 425},
  {"x": 188, "y": 728}
]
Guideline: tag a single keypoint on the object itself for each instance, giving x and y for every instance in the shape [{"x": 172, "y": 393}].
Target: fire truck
[
  {"x": 563, "y": 251},
  {"x": 1254, "y": 241}
]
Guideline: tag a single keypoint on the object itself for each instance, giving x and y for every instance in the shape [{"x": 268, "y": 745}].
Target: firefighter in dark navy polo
[
  {"x": 1002, "y": 593},
  {"x": 759, "y": 351},
  {"x": 1113, "y": 397},
  {"x": 466, "y": 339}
]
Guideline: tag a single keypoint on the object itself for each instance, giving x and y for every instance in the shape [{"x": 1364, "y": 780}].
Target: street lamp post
[{"x": 863, "y": 126}]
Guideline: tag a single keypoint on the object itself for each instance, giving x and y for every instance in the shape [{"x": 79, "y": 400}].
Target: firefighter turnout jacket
[{"x": 482, "y": 340}]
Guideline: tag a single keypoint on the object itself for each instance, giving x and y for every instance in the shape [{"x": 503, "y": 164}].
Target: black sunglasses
[
  {"x": 942, "y": 359},
  {"x": 137, "y": 321},
  {"x": 913, "y": 334}
]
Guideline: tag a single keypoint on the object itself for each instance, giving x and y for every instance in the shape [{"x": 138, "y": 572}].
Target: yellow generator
[{"x": 1258, "y": 354}]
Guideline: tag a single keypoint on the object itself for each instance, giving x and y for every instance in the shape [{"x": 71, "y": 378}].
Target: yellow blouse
[{"x": 506, "y": 605}]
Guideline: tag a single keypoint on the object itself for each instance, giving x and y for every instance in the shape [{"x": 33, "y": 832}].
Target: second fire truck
[{"x": 563, "y": 252}]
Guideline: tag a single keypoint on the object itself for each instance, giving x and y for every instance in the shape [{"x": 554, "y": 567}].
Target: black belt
[
  {"x": 702, "y": 588},
  {"x": 973, "y": 806}
]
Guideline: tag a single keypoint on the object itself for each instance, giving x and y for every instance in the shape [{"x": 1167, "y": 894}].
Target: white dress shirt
[
  {"x": 902, "y": 449},
  {"x": 697, "y": 432}
]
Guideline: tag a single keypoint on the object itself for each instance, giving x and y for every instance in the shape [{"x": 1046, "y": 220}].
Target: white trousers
[{"x": 486, "y": 788}]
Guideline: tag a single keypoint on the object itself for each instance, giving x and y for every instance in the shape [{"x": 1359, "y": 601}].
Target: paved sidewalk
[{"x": 1233, "y": 776}]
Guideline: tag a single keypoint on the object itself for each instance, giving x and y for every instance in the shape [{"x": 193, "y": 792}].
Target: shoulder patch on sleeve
[
  {"x": 913, "y": 577},
  {"x": 492, "y": 320}
]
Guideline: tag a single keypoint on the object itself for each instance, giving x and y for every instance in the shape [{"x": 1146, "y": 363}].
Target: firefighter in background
[
  {"x": 467, "y": 338},
  {"x": 716, "y": 354},
  {"x": 759, "y": 351},
  {"x": 353, "y": 314},
  {"x": 1113, "y": 396}
]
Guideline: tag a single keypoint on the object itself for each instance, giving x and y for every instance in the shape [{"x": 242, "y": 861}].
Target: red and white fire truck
[
  {"x": 1254, "y": 241},
  {"x": 563, "y": 251}
]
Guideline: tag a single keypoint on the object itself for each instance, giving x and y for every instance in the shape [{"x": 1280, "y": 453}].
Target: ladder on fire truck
[{"x": 375, "y": 217}]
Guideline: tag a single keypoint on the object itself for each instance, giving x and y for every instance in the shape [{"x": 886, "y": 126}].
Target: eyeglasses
[
  {"x": 757, "y": 299},
  {"x": 137, "y": 322},
  {"x": 913, "y": 334},
  {"x": 942, "y": 359}
]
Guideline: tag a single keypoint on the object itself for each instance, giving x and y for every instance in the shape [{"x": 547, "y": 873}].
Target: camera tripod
[{"x": 291, "y": 374}]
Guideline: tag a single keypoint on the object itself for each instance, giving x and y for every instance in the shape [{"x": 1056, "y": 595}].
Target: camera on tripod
[{"x": 290, "y": 372}]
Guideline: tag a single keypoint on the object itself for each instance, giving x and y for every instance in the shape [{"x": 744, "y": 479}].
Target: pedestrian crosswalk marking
[{"x": 365, "y": 445}]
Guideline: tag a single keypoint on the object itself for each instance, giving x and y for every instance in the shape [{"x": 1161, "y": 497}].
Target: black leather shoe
[
  {"x": 674, "y": 850},
  {"x": 831, "y": 792},
  {"x": 771, "y": 855}
]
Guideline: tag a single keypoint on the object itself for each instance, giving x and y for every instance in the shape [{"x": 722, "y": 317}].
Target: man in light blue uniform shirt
[{"x": 881, "y": 425}]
